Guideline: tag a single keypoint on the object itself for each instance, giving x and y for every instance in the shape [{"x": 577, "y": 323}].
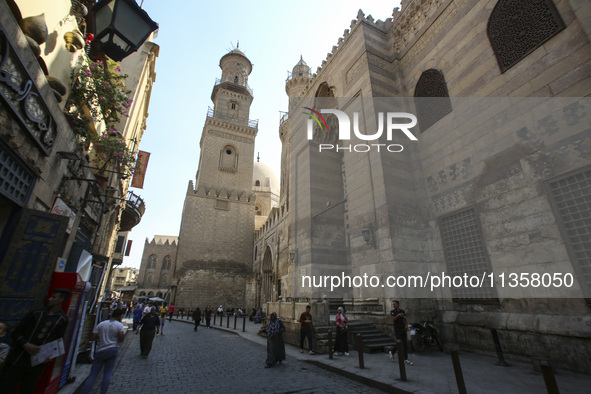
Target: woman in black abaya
[{"x": 275, "y": 345}]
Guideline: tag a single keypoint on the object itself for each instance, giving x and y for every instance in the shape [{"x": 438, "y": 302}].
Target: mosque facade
[{"x": 493, "y": 190}]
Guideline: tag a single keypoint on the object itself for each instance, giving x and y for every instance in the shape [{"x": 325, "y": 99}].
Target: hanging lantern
[{"x": 120, "y": 27}]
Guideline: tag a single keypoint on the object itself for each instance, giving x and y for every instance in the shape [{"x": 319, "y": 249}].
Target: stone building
[
  {"x": 55, "y": 204},
  {"x": 496, "y": 184},
  {"x": 156, "y": 272},
  {"x": 123, "y": 277},
  {"x": 489, "y": 180}
]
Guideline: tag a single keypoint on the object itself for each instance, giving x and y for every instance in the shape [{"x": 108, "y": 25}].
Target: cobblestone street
[{"x": 207, "y": 361}]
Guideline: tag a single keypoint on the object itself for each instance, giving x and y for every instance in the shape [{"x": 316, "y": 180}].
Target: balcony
[
  {"x": 243, "y": 122},
  {"x": 218, "y": 81},
  {"x": 133, "y": 212}
]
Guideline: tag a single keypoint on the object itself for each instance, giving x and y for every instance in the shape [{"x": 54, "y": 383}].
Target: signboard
[
  {"x": 141, "y": 165},
  {"x": 60, "y": 208}
]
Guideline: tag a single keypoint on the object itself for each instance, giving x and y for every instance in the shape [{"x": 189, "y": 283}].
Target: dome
[
  {"x": 265, "y": 176},
  {"x": 301, "y": 69},
  {"x": 233, "y": 56}
]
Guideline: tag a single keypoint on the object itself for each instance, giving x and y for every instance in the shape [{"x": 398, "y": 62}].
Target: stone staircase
[{"x": 374, "y": 340}]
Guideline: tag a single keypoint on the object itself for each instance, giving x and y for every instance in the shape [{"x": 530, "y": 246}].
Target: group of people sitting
[{"x": 257, "y": 315}]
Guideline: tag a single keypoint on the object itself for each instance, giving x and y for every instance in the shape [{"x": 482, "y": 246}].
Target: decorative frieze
[{"x": 23, "y": 97}]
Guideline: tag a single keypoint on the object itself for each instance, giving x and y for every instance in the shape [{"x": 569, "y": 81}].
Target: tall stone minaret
[{"x": 216, "y": 234}]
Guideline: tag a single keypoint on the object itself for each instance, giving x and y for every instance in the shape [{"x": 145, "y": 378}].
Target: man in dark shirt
[
  {"x": 37, "y": 328},
  {"x": 399, "y": 320},
  {"x": 306, "y": 329},
  {"x": 149, "y": 328}
]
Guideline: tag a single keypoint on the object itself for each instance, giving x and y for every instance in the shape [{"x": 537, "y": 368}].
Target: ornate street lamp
[{"x": 120, "y": 27}]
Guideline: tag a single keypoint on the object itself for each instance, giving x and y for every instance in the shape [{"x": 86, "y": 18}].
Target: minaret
[
  {"x": 228, "y": 124},
  {"x": 298, "y": 80},
  {"x": 296, "y": 84},
  {"x": 216, "y": 235}
]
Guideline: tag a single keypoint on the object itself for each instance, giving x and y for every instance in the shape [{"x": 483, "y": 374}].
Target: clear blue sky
[{"x": 193, "y": 36}]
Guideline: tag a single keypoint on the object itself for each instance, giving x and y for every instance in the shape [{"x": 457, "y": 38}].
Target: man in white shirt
[
  {"x": 109, "y": 333},
  {"x": 147, "y": 309}
]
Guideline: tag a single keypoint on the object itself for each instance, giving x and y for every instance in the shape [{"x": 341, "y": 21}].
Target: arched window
[
  {"x": 166, "y": 263},
  {"x": 257, "y": 183},
  {"x": 152, "y": 261},
  {"x": 236, "y": 79},
  {"x": 149, "y": 282},
  {"x": 517, "y": 27},
  {"x": 228, "y": 158},
  {"x": 431, "y": 98}
]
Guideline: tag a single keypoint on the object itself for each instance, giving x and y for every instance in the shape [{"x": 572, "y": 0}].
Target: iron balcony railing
[{"x": 254, "y": 123}]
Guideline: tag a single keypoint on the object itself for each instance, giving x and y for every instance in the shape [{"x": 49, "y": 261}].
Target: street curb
[{"x": 358, "y": 378}]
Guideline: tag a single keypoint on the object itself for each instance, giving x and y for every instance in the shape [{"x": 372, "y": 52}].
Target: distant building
[
  {"x": 157, "y": 267},
  {"x": 123, "y": 277}
]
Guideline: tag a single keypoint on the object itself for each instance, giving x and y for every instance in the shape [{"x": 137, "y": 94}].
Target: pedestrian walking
[
  {"x": 109, "y": 333},
  {"x": 306, "y": 329},
  {"x": 275, "y": 345},
  {"x": 36, "y": 329},
  {"x": 197, "y": 317},
  {"x": 138, "y": 313},
  {"x": 400, "y": 324},
  {"x": 208, "y": 313},
  {"x": 170, "y": 311},
  {"x": 341, "y": 346},
  {"x": 150, "y": 323},
  {"x": 162, "y": 317}
]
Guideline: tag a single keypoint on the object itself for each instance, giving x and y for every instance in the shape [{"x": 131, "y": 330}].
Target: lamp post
[{"x": 120, "y": 27}]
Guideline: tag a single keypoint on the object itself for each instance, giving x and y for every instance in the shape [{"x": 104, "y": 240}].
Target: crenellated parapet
[
  {"x": 221, "y": 193},
  {"x": 402, "y": 27}
]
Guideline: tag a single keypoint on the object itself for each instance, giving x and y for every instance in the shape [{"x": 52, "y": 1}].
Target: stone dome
[
  {"x": 265, "y": 176},
  {"x": 301, "y": 69}
]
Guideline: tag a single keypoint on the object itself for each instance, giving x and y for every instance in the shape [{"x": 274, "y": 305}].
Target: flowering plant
[
  {"x": 111, "y": 151},
  {"x": 100, "y": 86}
]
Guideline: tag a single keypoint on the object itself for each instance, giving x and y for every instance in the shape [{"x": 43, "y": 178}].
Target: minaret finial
[
  {"x": 237, "y": 44},
  {"x": 258, "y": 156}
]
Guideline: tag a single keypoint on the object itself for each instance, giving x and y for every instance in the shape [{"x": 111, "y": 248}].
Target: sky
[{"x": 193, "y": 36}]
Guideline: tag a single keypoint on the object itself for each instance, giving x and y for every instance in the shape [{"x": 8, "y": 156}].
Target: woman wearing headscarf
[
  {"x": 275, "y": 345},
  {"x": 340, "y": 344}
]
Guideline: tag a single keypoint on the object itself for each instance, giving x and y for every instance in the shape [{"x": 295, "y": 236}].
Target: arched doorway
[{"x": 267, "y": 279}]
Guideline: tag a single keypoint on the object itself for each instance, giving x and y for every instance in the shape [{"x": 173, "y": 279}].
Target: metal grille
[
  {"x": 463, "y": 247},
  {"x": 431, "y": 98},
  {"x": 517, "y": 27},
  {"x": 16, "y": 182},
  {"x": 572, "y": 201}
]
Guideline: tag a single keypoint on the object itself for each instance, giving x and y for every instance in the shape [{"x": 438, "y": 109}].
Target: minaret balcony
[
  {"x": 211, "y": 113},
  {"x": 133, "y": 212},
  {"x": 219, "y": 81}
]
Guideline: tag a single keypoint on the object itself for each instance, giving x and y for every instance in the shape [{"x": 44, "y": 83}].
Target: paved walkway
[{"x": 432, "y": 372}]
